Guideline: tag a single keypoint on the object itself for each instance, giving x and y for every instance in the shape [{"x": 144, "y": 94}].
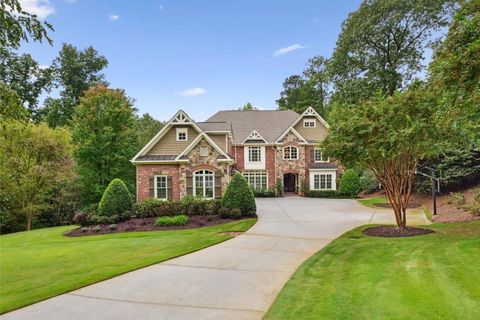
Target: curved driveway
[{"x": 236, "y": 279}]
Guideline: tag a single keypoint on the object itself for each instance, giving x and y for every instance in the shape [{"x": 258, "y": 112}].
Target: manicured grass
[
  {"x": 435, "y": 276},
  {"x": 43, "y": 263},
  {"x": 370, "y": 202}
]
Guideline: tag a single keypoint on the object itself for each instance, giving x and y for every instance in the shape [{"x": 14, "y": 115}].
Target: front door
[{"x": 290, "y": 182}]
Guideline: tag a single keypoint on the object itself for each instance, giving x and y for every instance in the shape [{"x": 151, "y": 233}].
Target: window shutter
[
  {"x": 218, "y": 184},
  {"x": 152, "y": 186},
  {"x": 169, "y": 188},
  {"x": 189, "y": 183},
  {"x": 312, "y": 155}
]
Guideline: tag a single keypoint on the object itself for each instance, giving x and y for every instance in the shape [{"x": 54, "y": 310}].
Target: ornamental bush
[
  {"x": 349, "y": 184},
  {"x": 179, "y": 220},
  {"x": 116, "y": 200},
  {"x": 239, "y": 195}
]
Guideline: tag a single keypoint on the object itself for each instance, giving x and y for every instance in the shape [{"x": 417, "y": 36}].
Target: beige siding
[
  {"x": 318, "y": 133},
  {"x": 168, "y": 144},
  {"x": 220, "y": 140}
]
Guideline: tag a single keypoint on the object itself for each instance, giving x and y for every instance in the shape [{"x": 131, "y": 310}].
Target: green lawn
[
  {"x": 435, "y": 276},
  {"x": 370, "y": 202},
  {"x": 39, "y": 264}
]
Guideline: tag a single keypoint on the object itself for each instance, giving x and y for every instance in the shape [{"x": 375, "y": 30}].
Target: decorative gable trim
[
  {"x": 254, "y": 135},
  {"x": 199, "y": 138},
  {"x": 295, "y": 132},
  {"x": 309, "y": 112},
  {"x": 180, "y": 118}
]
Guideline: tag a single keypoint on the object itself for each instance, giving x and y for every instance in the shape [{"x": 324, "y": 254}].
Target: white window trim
[
  {"x": 296, "y": 158},
  {"x": 259, "y": 154},
  {"x": 260, "y": 165},
  {"x": 321, "y": 156},
  {"x": 182, "y": 130},
  {"x": 314, "y": 172},
  {"x": 194, "y": 182},
  {"x": 314, "y": 121},
  {"x": 155, "y": 193},
  {"x": 254, "y": 174}
]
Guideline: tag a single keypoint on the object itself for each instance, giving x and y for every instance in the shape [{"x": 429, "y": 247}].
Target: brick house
[{"x": 198, "y": 158}]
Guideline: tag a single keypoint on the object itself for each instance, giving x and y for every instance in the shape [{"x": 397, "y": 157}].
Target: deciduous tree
[
  {"x": 106, "y": 141},
  {"x": 34, "y": 158}
]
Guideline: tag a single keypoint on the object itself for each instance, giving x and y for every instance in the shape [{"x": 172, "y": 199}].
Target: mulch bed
[
  {"x": 394, "y": 231},
  {"x": 388, "y": 205},
  {"x": 147, "y": 224}
]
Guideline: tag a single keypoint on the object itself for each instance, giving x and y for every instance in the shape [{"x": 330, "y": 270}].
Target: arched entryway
[{"x": 290, "y": 182}]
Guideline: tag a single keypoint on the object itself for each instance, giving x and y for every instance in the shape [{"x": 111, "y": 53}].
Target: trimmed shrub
[
  {"x": 224, "y": 213},
  {"x": 193, "y": 205},
  {"x": 179, "y": 220},
  {"x": 349, "y": 183},
  {"x": 279, "y": 187},
  {"x": 96, "y": 219},
  {"x": 368, "y": 182},
  {"x": 264, "y": 193},
  {"x": 235, "y": 213},
  {"x": 323, "y": 194},
  {"x": 91, "y": 208},
  {"x": 239, "y": 195},
  {"x": 213, "y": 206},
  {"x": 153, "y": 208},
  {"x": 116, "y": 200},
  {"x": 80, "y": 218}
]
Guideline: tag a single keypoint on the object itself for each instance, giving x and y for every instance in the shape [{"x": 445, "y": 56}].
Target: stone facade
[{"x": 299, "y": 166}]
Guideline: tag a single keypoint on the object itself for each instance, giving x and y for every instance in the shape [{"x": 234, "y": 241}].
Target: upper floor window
[
  {"x": 290, "y": 153},
  {"x": 318, "y": 156},
  {"x": 182, "y": 134},
  {"x": 309, "y": 123},
  {"x": 254, "y": 154}
]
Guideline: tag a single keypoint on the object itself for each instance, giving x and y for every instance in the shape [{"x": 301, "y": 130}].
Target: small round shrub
[
  {"x": 113, "y": 226},
  {"x": 239, "y": 195},
  {"x": 115, "y": 200},
  {"x": 368, "y": 182},
  {"x": 235, "y": 213},
  {"x": 97, "y": 228},
  {"x": 224, "y": 213},
  {"x": 80, "y": 218},
  {"x": 349, "y": 184}
]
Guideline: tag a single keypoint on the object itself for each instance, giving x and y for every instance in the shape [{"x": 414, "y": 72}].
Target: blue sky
[{"x": 201, "y": 56}]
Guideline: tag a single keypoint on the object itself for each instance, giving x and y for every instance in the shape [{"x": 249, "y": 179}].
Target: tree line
[{"x": 59, "y": 155}]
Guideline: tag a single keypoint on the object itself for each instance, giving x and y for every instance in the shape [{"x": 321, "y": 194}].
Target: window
[
  {"x": 322, "y": 182},
  {"x": 309, "y": 123},
  {"x": 203, "y": 184},
  {"x": 203, "y": 151},
  {"x": 254, "y": 154},
  {"x": 257, "y": 180},
  {"x": 290, "y": 153},
  {"x": 182, "y": 134},
  {"x": 318, "y": 156},
  {"x": 160, "y": 190}
]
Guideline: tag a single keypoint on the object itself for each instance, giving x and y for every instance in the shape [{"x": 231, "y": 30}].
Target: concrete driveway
[{"x": 236, "y": 279}]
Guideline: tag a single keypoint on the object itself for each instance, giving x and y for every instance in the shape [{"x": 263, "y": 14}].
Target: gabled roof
[
  {"x": 308, "y": 112},
  {"x": 268, "y": 123},
  {"x": 180, "y": 118},
  {"x": 199, "y": 138},
  {"x": 295, "y": 132},
  {"x": 255, "y": 137}
]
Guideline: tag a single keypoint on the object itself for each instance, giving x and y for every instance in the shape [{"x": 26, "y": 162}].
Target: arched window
[
  {"x": 204, "y": 184},
  {"x": 290, "y": 153}
]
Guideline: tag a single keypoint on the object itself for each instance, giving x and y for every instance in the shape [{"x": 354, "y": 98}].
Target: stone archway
[{"x": 290, "y": 182}]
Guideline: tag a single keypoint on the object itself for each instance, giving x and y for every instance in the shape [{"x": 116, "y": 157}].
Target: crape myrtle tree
[{"x": 390, "y": 135}]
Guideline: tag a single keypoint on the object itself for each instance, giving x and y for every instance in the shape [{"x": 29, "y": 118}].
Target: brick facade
[{"x": 146, "y": 171}]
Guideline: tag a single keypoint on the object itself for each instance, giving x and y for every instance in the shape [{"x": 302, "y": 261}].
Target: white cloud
[
  {"x": 114, "y": 17},
  {"x": 40, "y": 8},
  {"x": 192, "y": 92},
  {"x": 288, "y": 49}
]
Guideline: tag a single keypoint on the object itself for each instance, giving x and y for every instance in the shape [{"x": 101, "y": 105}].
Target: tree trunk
[{"x": 29, "y": 221}]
